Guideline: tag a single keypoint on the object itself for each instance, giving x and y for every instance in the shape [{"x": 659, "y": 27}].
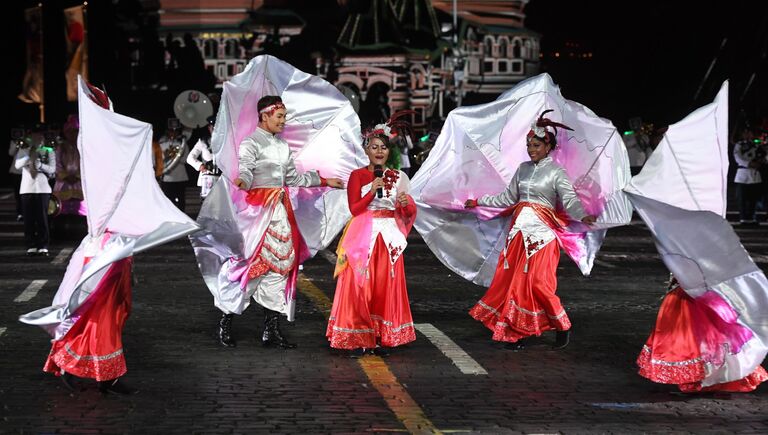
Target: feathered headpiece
[
  {"x": 98, "y": 96},
  {"x": 539, "y": 128},
  {"x": 394, "y": 127},
  {"x": 391, "y": 127}
]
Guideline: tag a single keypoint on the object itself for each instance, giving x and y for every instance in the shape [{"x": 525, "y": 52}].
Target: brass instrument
[
  {"x": 17, "y": 136},
  {"x": 173, "y": 154},
  {"x": 192, "y": 108},
  {"x": 422, "y": 155},
  {"x": 426, "y": 144},
  {"x": 54, "y": 205}
]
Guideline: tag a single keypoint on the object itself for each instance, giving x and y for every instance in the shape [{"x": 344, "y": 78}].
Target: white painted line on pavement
[
  {"x": 62, "y": 256},
  {"x": 31, "y": 290},
  {"x": 605, "y": 264},
  {"x": 328, "y": 255},
  {"x": 460, "y": 359},
  {"x": 2, "y": 331}
]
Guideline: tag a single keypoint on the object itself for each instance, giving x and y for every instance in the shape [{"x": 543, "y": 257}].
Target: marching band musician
[
  {"x": 201, "y": 158},
  {"x": 17, "y": 141},
  {"x": 750, "y": 158},
  {"x": 174, "y": 146},
  {"x": 157, "y": 156},
  {"x": 37, "y": 163}
]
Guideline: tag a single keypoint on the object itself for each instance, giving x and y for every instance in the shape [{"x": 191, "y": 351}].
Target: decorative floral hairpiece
[
  {"x": 539, "y": 128},
  {"x": 391, "y": 126},
  {"x": 379, "y": 130},
  {"x": 272, "y": 107}
]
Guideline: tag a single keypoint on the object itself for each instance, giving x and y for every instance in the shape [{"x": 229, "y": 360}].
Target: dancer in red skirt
[
  {"x": 93, "y": 347},
  {"x": 127, "y": 213},
  {"x": 521, "y": 301},
  {"x": 370, "y": 310},
  {"x": 690, "y": 334}
]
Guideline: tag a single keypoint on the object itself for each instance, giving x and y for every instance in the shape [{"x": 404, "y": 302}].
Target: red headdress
[
  {"x": 539, "y": 128},
  {"x": 98, "y": 96}
]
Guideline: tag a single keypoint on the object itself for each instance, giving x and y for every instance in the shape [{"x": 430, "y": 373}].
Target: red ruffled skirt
[
  {"x": 93, "y": 347},
  {"x": 672, "y": 354},
  {"x": 379, "y": 309},
  {"x": 521, "y": 304}
]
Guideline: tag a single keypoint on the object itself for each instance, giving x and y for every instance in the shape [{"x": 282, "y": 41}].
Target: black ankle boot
[
  {"x": 562, "y": 338},
  {"x": 225, "y": 331},
  {"x": 68, "y": 381},
  {"x": 357, "y": 353},
  {"x": 380, "y": 351},
  {"x": 272, "y": 334},
  {"x": 517, "y": 345},
  {"x": 116, "y": 386}
]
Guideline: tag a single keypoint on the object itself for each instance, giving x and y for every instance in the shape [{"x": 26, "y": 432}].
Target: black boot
[
  {"x": 562, "y": 338},
  {"x": 68, "y": 381},
  {"x": 272, "y": 334},
  {"x": 116, "y": 386},
  {"x": 225, "y": 331},
  {"x": 380, "y": 350},
  {"x": 517, "y": 345},
  {"x": 357, "y": 353}
]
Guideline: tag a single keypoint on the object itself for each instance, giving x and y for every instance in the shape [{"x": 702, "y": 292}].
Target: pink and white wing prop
[
  {"x": 127, "y": 211},
  {"x": 681, "y": 195},
  {"x": 478, "y": 152},
  {"x": 323, "y": 132}
]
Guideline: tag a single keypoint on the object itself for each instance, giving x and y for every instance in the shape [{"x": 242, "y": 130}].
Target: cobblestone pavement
[{"x": 189, "y": 384}]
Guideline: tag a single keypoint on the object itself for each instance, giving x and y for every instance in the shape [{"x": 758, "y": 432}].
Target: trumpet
[
  {"x": 422, "y": 155},
  {"x": 21, "y": 144},
  {"x": 17, "y": 137}
]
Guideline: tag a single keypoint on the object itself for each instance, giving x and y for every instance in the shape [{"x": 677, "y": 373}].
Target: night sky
[{"x": 650, "y": 61}]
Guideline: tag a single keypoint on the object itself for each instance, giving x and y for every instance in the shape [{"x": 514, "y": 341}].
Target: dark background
[{"x": 648, "y": 59}]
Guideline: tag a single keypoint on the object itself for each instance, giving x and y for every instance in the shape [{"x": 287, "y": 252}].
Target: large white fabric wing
[
  {"x": 692, "y": 161},
  {"x": 681, "y": 195},
  {"x": 323, "y": 132},
  {"x": 127, "y": 211},
  {"x": 478, "y": 152}
]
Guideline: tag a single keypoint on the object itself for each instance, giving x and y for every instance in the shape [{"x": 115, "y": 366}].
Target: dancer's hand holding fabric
[
  {"x": 589, "y": 219},
  {"x": 470, "y": 203},
  {"x": 240, "y": 183},
  {"x": 402, "y": 198},
  {"x": 336, "y": 183}
]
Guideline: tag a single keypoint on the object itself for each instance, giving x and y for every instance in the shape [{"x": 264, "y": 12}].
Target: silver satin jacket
[
  {"x": 266, "y": 161},
  {"x": 541, "y": 183}
]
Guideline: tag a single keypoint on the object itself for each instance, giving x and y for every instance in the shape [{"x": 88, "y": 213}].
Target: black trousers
[
  {"x": 34, "y": 207},
  {"x": 16, "y": 183},
  {"x": 175, "y": 191},
  {"x": 748, "y": 195}
]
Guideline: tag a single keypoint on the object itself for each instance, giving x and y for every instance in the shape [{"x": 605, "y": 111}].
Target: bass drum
[{"x": 54, "y": 205}]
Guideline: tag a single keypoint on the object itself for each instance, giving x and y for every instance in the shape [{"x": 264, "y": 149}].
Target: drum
[{"x": 207, "y": 181}]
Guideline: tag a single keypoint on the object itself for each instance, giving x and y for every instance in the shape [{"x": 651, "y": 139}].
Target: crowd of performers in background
[
  {"x": 371, "y": 310},
  {"x": 173, "y": 147},
  {"x": 45, "y": 174}
]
